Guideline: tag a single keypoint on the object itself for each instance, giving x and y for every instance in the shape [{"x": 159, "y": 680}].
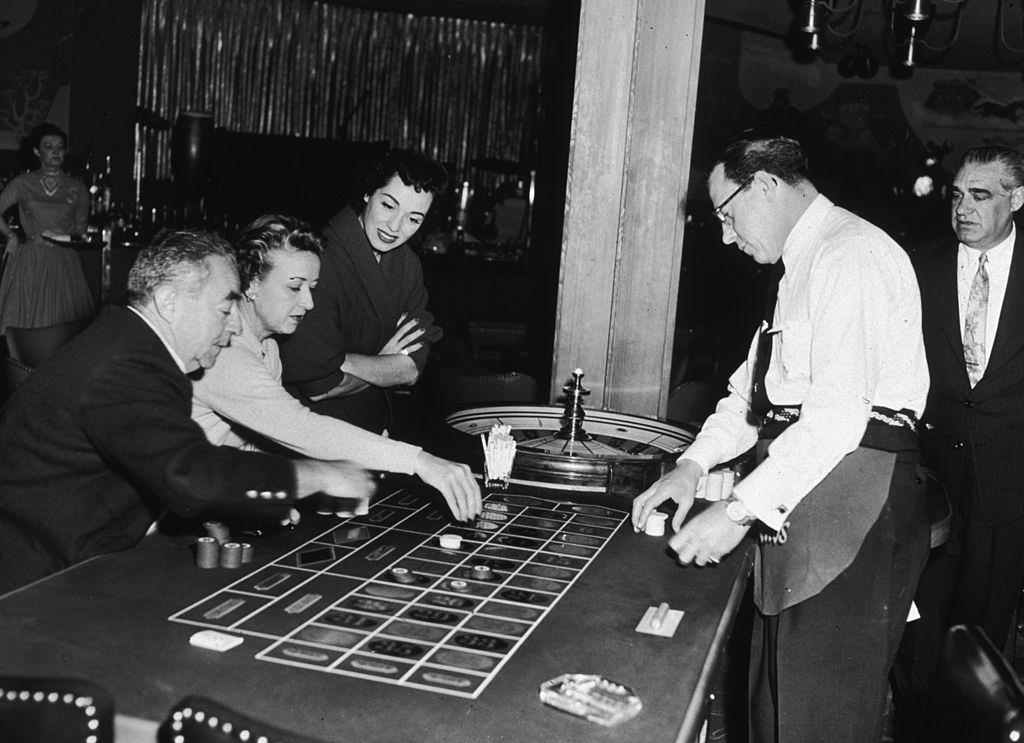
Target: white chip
[
  {"x": 450, "y": 541},
  {"x": 213, "y": 640}
]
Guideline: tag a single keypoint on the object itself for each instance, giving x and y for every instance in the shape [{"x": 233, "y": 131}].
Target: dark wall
[
  {"x": 253, "y": 174},
  {"x": 105, "y": 65}
]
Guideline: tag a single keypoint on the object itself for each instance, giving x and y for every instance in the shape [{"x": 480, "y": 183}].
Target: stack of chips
[
  {"x": 217, "y": 549},
  {"x": 717, "y": 485}
]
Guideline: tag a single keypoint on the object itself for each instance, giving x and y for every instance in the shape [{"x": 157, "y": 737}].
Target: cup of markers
[{"x": 499, "y": 453}]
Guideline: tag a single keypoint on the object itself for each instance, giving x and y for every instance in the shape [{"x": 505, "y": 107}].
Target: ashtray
[{"x": 591, "y": 697}]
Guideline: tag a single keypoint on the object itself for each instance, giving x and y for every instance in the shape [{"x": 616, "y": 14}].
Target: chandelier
[{"x": 910, "y": 31}]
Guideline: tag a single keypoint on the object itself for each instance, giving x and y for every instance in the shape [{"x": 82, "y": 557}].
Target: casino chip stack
[
  {"x": 217, "y": 550},
  {"x": 207, "y": 552}
]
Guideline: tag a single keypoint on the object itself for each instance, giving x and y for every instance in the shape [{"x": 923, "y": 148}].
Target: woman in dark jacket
[{"x": 370, "y": 330}]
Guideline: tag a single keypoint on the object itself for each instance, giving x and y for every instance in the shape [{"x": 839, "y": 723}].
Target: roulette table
[{"x": 367, "y": 629}]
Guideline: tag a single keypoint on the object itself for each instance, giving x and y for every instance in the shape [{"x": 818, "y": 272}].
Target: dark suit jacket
[
  {"x": 99, "y": 441},
  {"x": 357, "y": 305},
  {"x": 983, "y": 427}
]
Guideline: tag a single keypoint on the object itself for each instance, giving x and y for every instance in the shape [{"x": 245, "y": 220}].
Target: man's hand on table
[
  {"x": 708, "y": 536},
  {"x": 680, "y": 485}
]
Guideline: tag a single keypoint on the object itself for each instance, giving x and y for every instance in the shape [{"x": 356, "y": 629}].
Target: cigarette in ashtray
[{"x": 499, "y": 451}]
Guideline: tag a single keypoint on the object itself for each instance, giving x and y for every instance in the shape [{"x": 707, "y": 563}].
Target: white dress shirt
[
  {"x": 242, "y": 394},
  {"x": 847, "y": 337},
  {"x": 998, "y": 268}
]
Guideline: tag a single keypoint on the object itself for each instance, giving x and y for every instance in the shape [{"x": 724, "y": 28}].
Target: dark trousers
[
  {"x": 819, "y": 669},
  {"x": 975, "y": 578}
]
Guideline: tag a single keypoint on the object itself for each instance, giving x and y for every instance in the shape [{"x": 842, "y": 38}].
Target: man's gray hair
[
  {"x": 1011, "y": 161},
  {"x": 172, "y": 257}
]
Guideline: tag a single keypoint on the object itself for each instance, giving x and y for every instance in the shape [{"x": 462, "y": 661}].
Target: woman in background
[
  {"x": 240, "y": 402},
  {"x": 371, "y": 330},
  {"x": 43, "y": 284}
]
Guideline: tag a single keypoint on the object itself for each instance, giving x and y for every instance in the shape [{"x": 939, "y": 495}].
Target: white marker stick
[{"x": 659, "y": 615}]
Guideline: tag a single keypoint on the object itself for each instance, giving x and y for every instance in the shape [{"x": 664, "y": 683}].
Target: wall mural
[
  {"x": 35, "y": 66},
  {"x": 942, "y": 107}
]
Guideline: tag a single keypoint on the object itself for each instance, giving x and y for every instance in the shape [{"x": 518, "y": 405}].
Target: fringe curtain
[{"x": 455, "y": 89}]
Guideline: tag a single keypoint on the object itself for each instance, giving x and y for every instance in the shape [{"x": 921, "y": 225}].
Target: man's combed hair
[
  {"x": 780, "y": 156},
  {"x": 1010, "y": 159},
  {"x": 171, "y": 257},
  {"x": 268, "y": 233},
  {"x": 414, "y": 168}
]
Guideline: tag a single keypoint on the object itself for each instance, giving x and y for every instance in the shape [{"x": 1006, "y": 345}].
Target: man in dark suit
[
  {"x": 99, "y": 441},
  {"x": 972, "y": 293}
]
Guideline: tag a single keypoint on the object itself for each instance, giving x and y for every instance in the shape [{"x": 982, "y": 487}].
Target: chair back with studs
[
  {"x": 55, "y": 710},
  {"x": 198, "y": 719}
]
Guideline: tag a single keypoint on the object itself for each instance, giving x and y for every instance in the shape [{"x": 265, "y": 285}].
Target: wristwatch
[{"x": 737, "y": 512}]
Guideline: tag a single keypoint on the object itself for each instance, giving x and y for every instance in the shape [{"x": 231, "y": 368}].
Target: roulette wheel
[{"x": 592, "y": 451}]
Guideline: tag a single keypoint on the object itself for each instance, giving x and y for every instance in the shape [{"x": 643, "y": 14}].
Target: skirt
[{"x": 42, "y": 285}]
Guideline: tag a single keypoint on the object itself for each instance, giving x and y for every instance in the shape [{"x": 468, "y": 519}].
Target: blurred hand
[
  {"x": 404, "y": 341},
  {"x": 454, "y": 481},
  {"x": 680, "y": 485},
  {"x": 349, "y": 485}
]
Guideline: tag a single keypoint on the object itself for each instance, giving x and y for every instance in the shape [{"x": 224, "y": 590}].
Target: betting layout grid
[{"x": 335, "y": 605}]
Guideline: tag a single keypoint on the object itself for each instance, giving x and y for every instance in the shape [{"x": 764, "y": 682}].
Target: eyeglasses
[{"x": 718, "y": 209}]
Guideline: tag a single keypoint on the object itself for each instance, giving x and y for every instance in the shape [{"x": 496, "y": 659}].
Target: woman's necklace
[{"x": 50, "y": 182}]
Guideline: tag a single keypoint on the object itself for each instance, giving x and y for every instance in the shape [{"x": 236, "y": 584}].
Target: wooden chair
[
  {"x": 55, "y": 710},
  {"x": 456, "y": 389},
  {"x": 975, "y": 697},
  {"x": 198, "y": 719},
  {"x": 497, "y": 342}
]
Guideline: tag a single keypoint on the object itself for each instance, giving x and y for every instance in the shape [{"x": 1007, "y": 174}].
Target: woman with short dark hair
[{"x": 370, "y": 331}]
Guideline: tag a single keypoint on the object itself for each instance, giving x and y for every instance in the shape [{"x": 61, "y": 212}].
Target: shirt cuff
[{"x": 770, "y": 514}]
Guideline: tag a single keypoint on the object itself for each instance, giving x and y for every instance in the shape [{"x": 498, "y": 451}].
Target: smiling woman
[{"x": 370, "y": 331}]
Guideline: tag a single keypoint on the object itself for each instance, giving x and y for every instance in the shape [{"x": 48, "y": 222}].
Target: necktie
[
  {"x": 759, "y": 402},
  {"x": 974, "y": 323}
]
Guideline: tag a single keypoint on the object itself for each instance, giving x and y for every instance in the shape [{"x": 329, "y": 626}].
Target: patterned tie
[{"x": 974, "y": 323}]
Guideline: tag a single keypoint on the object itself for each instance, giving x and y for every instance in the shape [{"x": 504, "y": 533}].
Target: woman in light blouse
[{"x": 240, "y": 401}]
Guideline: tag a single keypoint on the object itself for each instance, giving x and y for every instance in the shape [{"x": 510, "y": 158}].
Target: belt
[{"x": 887, "y": 429}]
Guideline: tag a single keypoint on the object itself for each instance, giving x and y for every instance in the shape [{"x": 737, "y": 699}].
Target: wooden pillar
[{"x": 629, "y": 162}]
